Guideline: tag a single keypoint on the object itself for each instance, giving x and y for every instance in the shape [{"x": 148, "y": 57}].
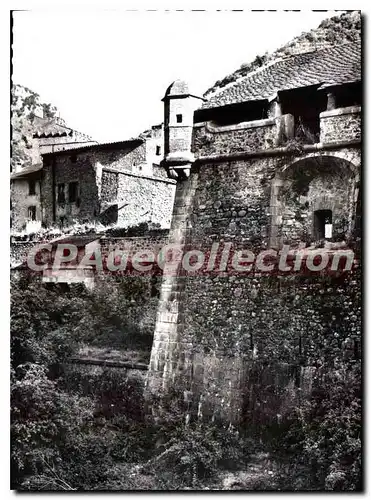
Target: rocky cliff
[{"x": 30, "y": 116}]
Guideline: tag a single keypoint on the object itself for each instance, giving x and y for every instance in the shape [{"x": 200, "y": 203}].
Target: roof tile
[{"x": 330, "y": 66}]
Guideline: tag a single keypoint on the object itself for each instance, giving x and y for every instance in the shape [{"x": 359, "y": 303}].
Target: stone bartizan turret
[{"x": 179, "y": 107}]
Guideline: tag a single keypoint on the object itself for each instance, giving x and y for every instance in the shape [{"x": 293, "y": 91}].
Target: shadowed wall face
[
  {"x": 69, "y": 189},
  {"x": 25, "y": 203}
]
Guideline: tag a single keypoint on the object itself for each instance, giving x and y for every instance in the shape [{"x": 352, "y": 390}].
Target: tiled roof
[
  {"x": 179, "y": 87},
  {"x": 50, "y": 128},
  {"x": 54, "y": 128},
  {"x": 331, "y": 66},
  {"x": 131, "y": 143},
  {"x": 26, "y": 171},
  {"x": 41, "y": 135}
]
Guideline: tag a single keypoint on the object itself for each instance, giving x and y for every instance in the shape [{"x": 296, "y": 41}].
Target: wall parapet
[
  {"x": 209, "y": 138},
  {"x": 340, "y": 124},
  {"x": 140, "y": 176},
  {"x": 214, "y": 128},
  {"x": 341, "y": 111},
  {"x": 278, "y": 151}
]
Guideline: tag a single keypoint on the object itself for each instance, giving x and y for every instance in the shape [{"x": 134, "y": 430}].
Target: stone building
[
  {"x": 271, "y": 159},
  {"x": 25, "y": 199},
  {"x": 115, "y": 183},
  {"x": 26, "y": 182}
]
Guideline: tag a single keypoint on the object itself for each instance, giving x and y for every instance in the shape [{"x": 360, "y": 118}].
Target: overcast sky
[{"x": 107, "y": 70}]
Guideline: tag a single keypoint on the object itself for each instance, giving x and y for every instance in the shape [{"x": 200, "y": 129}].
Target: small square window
[
  {"x": 61, "y": 196},
  {"x": 31, "y": 187},
  {"x": 72, "y": 192},
  {"x": 158, "y": 150},
  {"x": 179, "y": 118},
  {"x": 32, "y": 213}
]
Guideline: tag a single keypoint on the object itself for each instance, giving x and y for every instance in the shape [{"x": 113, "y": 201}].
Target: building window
[
  {"x": 61, "y": 196},
  {"x": 322, "y": 224},
  {"x": 32, "y": 213},
  {"x": 31, "y": 187},
  {"x": 179, "y": 118},
  {"x": 234, "y": 113},
  {"x": 72, "y": 192},
  {"x": 158, "y": 150},
  {"x": 305, "y": 104},
  {"x": 348, "y": 95}
]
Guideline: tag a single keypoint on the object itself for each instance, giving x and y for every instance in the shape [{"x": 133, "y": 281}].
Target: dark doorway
[
  {"x": 32, "y": 213},
  {"x": 321, "y": 219}
]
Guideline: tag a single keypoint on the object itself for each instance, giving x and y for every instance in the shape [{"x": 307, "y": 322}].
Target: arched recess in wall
[{"x": 309, "y": 193}]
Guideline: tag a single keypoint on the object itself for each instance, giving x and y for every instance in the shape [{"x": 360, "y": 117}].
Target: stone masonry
[
  {"x": 246, "y": 345},
  {"x": 115, "y": 183}
]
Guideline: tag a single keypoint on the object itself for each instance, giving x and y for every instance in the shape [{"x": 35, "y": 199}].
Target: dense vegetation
[
  {"x": 337, "y": 29},
  {"x": 77, "y": 430}
]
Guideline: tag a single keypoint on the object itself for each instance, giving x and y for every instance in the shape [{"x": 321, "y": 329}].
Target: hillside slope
[{"x": 335, "y": 30}]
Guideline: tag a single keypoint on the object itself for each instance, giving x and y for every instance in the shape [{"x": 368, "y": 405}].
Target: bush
[
  {"x": 43, "y": 419},
  {"x": 195, "y": 453},
  {"x": 326, "y": 435},
  {"x": 63, "y": 439}
]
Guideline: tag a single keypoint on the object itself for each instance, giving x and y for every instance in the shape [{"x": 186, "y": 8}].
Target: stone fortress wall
[{"x": 246, "y": 346}]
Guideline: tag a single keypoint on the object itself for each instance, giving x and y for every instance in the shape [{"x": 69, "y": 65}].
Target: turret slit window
[
  {"x": 31, "y": 187},
  {"x": 322, "y": 224},
  {"x": 179, "y": 118},
  {"x": 158, "y": 150}
]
